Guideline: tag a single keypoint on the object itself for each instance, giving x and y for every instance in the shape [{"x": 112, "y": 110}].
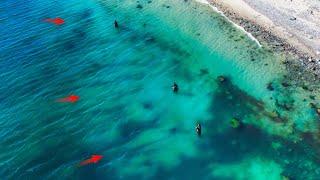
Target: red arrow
[
  {"x": 71, "y": 99},
  {"x": 57, "y": 21},
  {"x": 94, "y": 159}
]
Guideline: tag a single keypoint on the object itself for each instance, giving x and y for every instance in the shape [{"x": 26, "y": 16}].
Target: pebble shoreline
[{"x": 310, "y": 66}]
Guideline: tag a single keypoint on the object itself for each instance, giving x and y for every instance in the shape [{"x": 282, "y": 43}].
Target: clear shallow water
[{"x": 127, "y": 112}]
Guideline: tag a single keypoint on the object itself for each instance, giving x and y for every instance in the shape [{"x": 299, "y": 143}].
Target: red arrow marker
[
  {"x": 57, "y": 21},
  {"x": 70, "y": 99},
  {"x": 93, "y": 160}
]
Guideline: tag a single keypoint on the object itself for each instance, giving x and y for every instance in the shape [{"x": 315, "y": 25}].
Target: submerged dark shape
[
  {"x": 69, "y": 45},
  {"x": 285, "y": 84},
  {"x": 79, "y": 33},
  {"x": 116, "y": 25},
  {"x": 315, "y": 107},
  {"x": 270, "y": 87},
  {"x": 230, "y": 101},
  {"x": 312, "y": 97},
  {"x": 173, "y": 130},
  {"x": 222, "y": 79},
  {"x": 305, "y": 87},
  {"x": 204, "y": 71},
  {"x": 147, "y": 105},
  {"x": 235, "y": 123},
  {"x": 198, "y": 129},
  {"x": 175, "y": 87},
  {"x": 87, "y": 13},
  {"x": 150, "y": 39},
  {"x": 284, "y": 105}
]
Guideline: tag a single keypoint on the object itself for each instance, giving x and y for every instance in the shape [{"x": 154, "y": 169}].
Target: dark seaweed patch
[
  {"x": 78, "y": 33},
  {"x": 69, "y": 45},
  {"x": 204, "y": 71},
  {"x": 312, "y": 97},
  {"x": 86, "y": 14},
  {"x": 230, "y": 101},
  {"x": 173, "y": 130},
  {"x": 92, "y": 69},
  {"x": 287, "y": 106},
  {"x": 270, "y": 87},
  {"x": 285, "y": 84},
  {"x": 147, "y": 105},
  {"x": 233, "y": 145}
]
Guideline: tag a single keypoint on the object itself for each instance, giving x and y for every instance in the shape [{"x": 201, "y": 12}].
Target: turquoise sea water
[{"x": 127, "y": 111}]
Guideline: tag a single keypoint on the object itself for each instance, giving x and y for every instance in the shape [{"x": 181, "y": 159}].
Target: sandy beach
[{"x": 291, "y": 25}]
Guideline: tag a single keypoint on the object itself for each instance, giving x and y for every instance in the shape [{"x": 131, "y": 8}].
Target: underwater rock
[
  {"x": 270, "y": 87},
  {"x": 274, "y": 114},
  {"x": 284, "y": 106},
  {"x": 314, "y": 106},
  {"x": 139, "y": 6},
  {"x": 284, "y": 84},
  {"x": 221, "y": 78},
  {"x": 79, "y": 33},
  {"x": 305, "y": 87},
  {"x": 312, "y": 97},
  {"x": 235, "y": 123}
]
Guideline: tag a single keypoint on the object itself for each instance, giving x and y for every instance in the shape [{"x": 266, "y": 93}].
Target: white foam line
[{"x": 236, "y": 25}]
